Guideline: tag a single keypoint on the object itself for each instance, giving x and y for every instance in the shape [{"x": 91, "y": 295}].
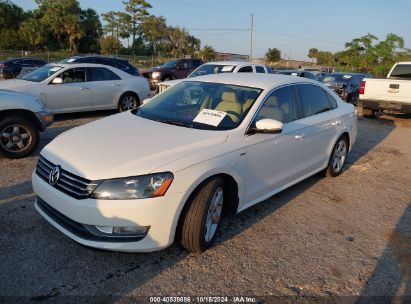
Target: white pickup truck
[{"x": 392, "y": 93}]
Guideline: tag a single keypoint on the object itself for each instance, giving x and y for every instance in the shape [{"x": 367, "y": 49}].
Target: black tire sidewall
[
  {"x": 330, "y": 169},
  {"x": 26, "y": 123}
]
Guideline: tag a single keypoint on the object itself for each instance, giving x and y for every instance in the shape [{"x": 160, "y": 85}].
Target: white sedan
[
  {"x": 206, "y": 146},
  {"x": 66, "y": 88}
]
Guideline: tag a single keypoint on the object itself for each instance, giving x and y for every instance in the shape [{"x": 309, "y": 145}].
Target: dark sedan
[
  {"x": 12, "y": 68},
  {"x": 115, "y": 62},
  {"x": 346, "y": 85},
  {"x": 300, "y": 73}
]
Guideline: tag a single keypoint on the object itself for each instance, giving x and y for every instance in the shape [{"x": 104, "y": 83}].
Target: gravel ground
[{"x": 326, "y": 237}]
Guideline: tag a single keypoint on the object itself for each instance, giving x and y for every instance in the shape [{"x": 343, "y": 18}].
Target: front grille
[{"x": 68, "y": 183}]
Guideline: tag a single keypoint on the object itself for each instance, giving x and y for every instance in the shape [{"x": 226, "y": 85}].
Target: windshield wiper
[{"x": 174, "y": 123}]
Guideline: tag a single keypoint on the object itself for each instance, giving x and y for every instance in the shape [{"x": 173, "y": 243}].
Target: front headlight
[
  {"x": 155, "y": 75},
  {"x": 143, "y": 186}
]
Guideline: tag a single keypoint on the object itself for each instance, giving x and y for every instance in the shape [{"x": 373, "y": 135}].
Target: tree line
[
  {"x": 363, "y": 54},
  {"x": 62, "y": 25}
]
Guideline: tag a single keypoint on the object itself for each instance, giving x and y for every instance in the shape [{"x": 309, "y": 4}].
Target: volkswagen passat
[{"x": 139, "y": 180}]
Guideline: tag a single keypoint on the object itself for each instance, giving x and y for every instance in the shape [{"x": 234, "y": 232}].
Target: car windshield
[
  {"x": 42, "y": 73},
  {"x": 207, "y": 69},
  {"x": 170, "y": 64},
  {"x": 201, "y": 105}
]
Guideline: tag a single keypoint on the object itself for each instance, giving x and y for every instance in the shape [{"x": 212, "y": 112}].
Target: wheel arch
[
  {"x": 22, "y": 113},
  {"x": 231, "y": 199}
]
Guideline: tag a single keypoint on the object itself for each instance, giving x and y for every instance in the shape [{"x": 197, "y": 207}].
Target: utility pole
[{"x": 251, "y": 38}]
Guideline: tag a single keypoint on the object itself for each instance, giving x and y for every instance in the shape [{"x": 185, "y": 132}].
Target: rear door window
[
  {"x": 103, "y": 74},
  {"x": 246, "y": 69},
  {"x": 259, "y": 69},
  {"x": 313, "y": 100},
  {"x": 401, "y": 71}
]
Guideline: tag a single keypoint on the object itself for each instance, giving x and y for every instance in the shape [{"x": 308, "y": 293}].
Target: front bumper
[
  {"x": 70, "y": 216},
  {"x": 376, "y": 104},
  {"x": 45, "y": 119}
]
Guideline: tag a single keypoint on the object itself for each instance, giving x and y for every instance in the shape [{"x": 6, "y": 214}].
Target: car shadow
[
  {"x": 98, "y": 271},
  {"x": 391, "y": 280}
]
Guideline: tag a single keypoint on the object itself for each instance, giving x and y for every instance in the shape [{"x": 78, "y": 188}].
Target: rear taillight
[
  {"x": 2, "y": 65},
  {"x": 362, "y": 87}
]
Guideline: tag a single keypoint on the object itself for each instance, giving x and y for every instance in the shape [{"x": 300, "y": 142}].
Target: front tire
[
  {"x": 202, "y": 219},
  {"x": 18, "y": 137},
  {"x": 127, "y": 102},
  {"x": 338, "y": 157}
]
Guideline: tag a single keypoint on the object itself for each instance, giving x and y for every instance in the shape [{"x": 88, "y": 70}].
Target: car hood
[
  {"x": 17, "y": 85},
  {"x": 126, "y": 145}
]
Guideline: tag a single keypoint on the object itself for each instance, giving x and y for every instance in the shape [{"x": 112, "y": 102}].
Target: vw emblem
[{"x": 54, "y": 175}]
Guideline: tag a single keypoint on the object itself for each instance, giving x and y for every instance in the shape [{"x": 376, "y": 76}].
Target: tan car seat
[
  {"x": 271, "y": 109},
  {"x": 231, "y": 106}
]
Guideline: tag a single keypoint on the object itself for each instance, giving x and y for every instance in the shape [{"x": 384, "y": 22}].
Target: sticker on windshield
[
  {"x": 55, "y": 69},
  {"x": 294, "y": 74},
  {"x": 347, "y": 76},
  {"x": 210, "y": 117},
  {"x": 227, "y": 68},
  {"x": 71, "y": 60}
]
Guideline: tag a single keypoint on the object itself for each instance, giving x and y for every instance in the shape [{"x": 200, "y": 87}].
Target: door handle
[
  {"x": 84, "y": 88},
  {"x": 336, "y": 123},
  {"x": 299, "y": 136},
  {"x": 115, "y": 85}
]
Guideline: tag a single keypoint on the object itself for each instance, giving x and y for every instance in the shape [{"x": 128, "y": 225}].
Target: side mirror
[
  {"x": 57, "y": 80},
  {"x": 268, "y": 126}
]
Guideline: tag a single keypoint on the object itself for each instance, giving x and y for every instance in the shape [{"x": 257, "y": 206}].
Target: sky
[{"x": 293, "y": 26}]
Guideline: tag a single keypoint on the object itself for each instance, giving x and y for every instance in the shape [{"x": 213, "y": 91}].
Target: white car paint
[
  {"x": 81, "y": 96},
  {"x": 261, "y": 164},
  {"x": 237, "y": 64}
]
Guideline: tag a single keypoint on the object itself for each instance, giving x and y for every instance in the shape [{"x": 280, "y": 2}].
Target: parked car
[
  {"x": 174, "y": 69},
  {"x": 209, "y": 145},
  {"x": 217, "y": 68},
  {"x": 114, "y": 62},
  {"x": 12, "y": 68},
  {"x": 346, "y": 85},
  {"x": 392, "y": 94},
  {"x": 301, "y": 73},
  {"x": 21, "y": 118},
  {"x": 79, "y": 87}
]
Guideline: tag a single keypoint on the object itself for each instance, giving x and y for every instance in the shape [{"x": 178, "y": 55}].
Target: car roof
[
  {"x": 233, "y": 63},
  {"x": 256, "y": 80},
  {"x": 82, "y": 65}
]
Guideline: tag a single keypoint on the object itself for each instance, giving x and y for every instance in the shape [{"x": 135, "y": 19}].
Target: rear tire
[
  {"x": 128, "y": 101},
  {"x": 338, "y": 157},
  {"x": 18, "y": 137},
  {"x": 368, "y": 113},
  {"x": 201, "y": 221}
]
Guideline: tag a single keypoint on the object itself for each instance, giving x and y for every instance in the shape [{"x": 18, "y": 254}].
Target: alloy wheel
[
  {"x": 339, "y": 155},
  {"x": 214, "y": 214},
  {"x": 15, "y": 138}
]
